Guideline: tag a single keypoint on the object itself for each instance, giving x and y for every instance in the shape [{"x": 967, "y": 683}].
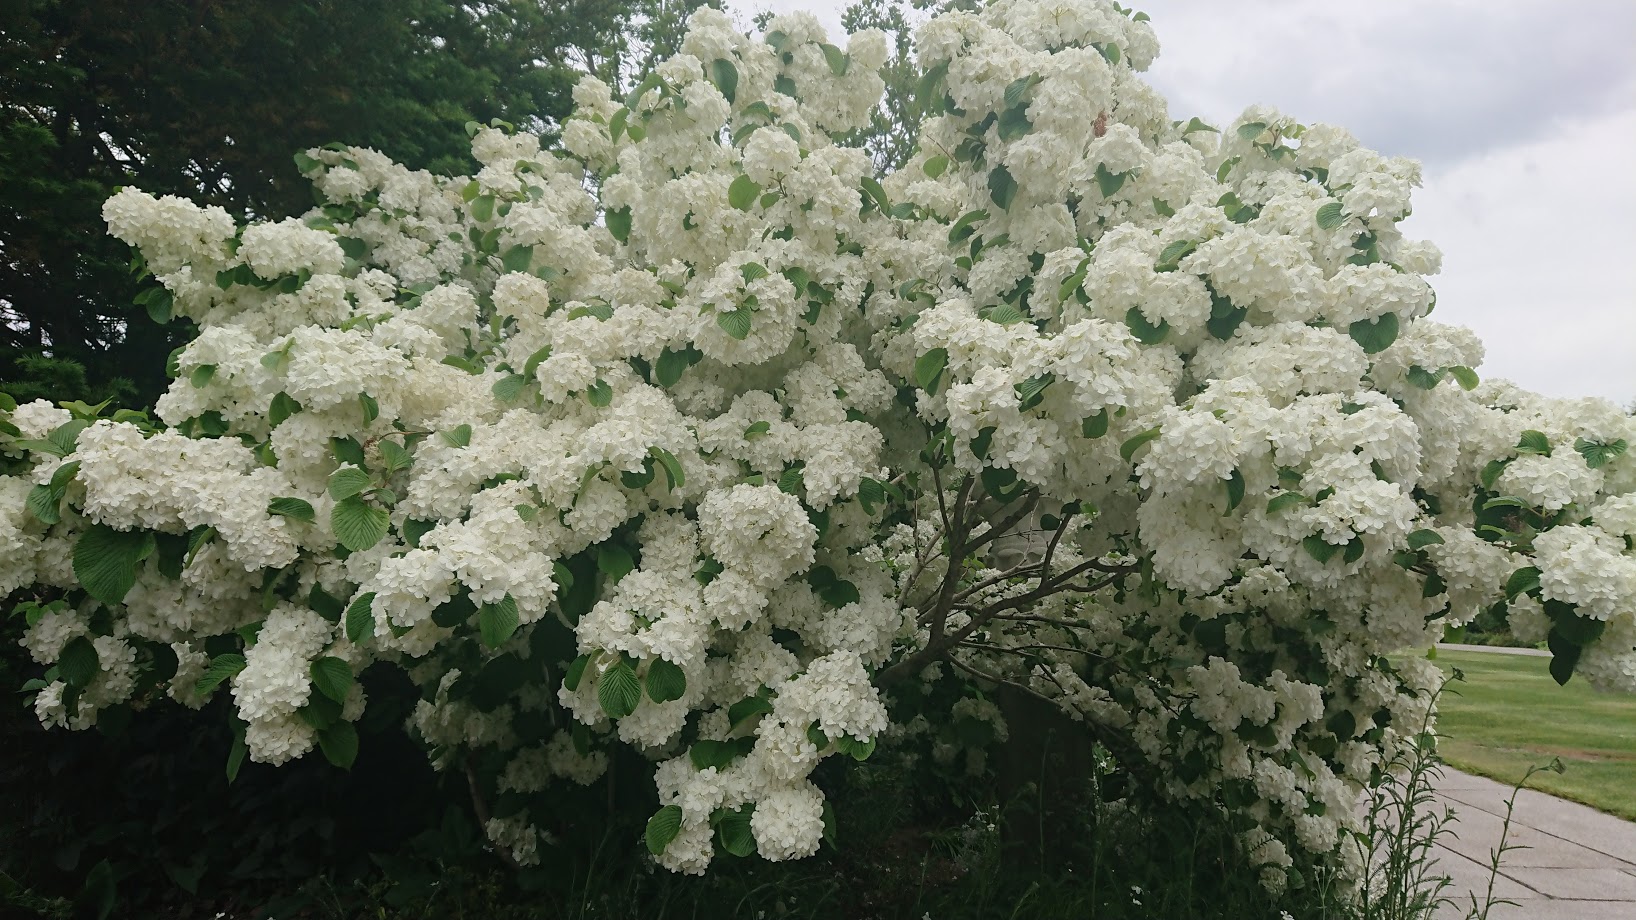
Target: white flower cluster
[{"x": 654, "y": 441}]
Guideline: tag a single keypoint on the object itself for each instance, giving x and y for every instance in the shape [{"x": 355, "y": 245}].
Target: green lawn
[{"x": 1509, "y": 714}]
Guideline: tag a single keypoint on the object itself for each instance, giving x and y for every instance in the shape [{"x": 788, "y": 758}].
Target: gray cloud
[{"x": 1439, "y": 81}]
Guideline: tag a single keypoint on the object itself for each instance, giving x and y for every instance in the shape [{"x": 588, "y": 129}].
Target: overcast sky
[{"x": 1523, "y": 113}]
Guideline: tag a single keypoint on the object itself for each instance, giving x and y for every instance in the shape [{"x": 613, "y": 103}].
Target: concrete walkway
[
  {"x": 1580, "y": 864},
  {"x": 1495, "y": 649}
]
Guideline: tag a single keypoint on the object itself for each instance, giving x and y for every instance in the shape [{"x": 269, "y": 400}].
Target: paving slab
[
  {"x": 1581, "y": 884},
  {"x": 1560, "y": 818},
  {"x": 1470, "y": 875},
  {"x": 1580, "y": 864},
  {"x": 1475, "y": 833},
  {"x": 1544, "y": 909}
]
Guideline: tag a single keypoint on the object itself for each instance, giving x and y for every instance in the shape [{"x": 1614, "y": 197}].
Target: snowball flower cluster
[{"x": 698, "y": 438}]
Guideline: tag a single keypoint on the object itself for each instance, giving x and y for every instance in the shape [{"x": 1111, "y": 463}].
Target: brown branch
[
  {"x": 1010, "y": 521},
  {"x": 482, "y": 809}
]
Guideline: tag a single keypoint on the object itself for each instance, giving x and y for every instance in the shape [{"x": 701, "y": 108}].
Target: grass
[{"x": 1509, "y": 715}]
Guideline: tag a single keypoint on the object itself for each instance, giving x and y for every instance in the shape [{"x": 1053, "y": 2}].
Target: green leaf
[
  {"x": 1095, "y": 426},
  {"x": 347, "y": 482},
  {"x": 872, "y": 187},
  {"x": 78, "y": 662},
  {"x": 1285, "y": 500},
  {"x": 1235, "y": 490},
  {"x": 482, "y": 208},
  {"x": 575, "y": 673},
  {"x": 1596, "y": 453},
  {"x": 1071, "y": 284},
  {"x": 619, "y": 224},
  {"x": 1424, "y": 538},
  {"x": 614, "y": 561},
  {"x": 459, "y": 437},
  {"x": 1014, "y": 123},
  {"x": 235, "y": 753},
  {"x": 497, "y": 622},
  {"x": 756, "y": 430},
  {"x": 674, "y": 475},
  {"x": 45, "y": 503},
  {"x": 1030, "y": 391},
  {"x": 1146, "y": 332},
  {"x": 1128, "y": 449},
  {"x": 1002, "y": 187},
  {"x": 1574, "y": 627},
  {"x": 1466, "y": 377},
  {"x": 282, "y": 408},
  {"x": 838, "y": 593},
  {"x": 734, "y": 828},
  {"x": 838, "y": 59},
  {"x": 665, "y": 681},
  {"x": 752, "y": 271},
  {"x": 1108, "y": 183},
  {"x": 857, "y": 750},
  {"x": 1005, "y": 314},
  {"x": 668, "y": 369},
  {"x": 358, "y": 526},
  {"x": 746, "y": 709},
  {"x": 718, "y": 754},
  {"x": 1492, "y": 471},
  {"x": 792, "y": 480},
  {"x": 936, "y": 166},
  {"x": 395, "y": 455},
  {"x": 296, "y": 508},
  {"x": 1354, "y": 552},
  {"x": 1523, "y": 581},
  {"x": 105, "y": 561},
  {"x": 599, "y": 394},
  {"x": 619, "y": 691},
  {"x": 1170, "y": 258},
  {"x": 1564, "y": 656},
  {"x": 1319, "y": 548},
  {"x": 1374, "y": 335},
  {"x": 1224, "y": 317},
  {"x": 929, "y": 81},
  {"x": 929, "y": 368},
  {"x": 1534, "y": 442},
  {"x": 725, "y": 75},
  {"x": 202, "y": 375},
  {"x": 517, "y": 258},
  {"x": 221, "y": 668},
  {"x": 332, "y": 677},
  {"x": 1197, "y": 124},
  {"x": 1330, "y": 215},
  {"x": 372, "y": 409},
  {"x": 736, "y": 324},
  {"x": 1251, "y": 130},
  {"x": 359, "y": 617},
  {"x": 1424, "y": 379},
  {"x": 339, "y": 743},
  {"x": 662, "y": 828},
  {"x": 743, "y": 192},
  {"x": 1020, "y": 89},
  {"x": 962, "y": 228}
]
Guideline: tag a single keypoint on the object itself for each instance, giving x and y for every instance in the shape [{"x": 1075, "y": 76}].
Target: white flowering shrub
[{"x": 698, "y": 438}]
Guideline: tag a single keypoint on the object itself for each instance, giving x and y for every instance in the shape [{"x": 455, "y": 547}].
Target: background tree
[
  {"x": 209, "y": 101},
  {"x": 651, "y": 32}
]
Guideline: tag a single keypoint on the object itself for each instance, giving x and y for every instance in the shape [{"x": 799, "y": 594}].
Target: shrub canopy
[{"x": 699, "y": 437}]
